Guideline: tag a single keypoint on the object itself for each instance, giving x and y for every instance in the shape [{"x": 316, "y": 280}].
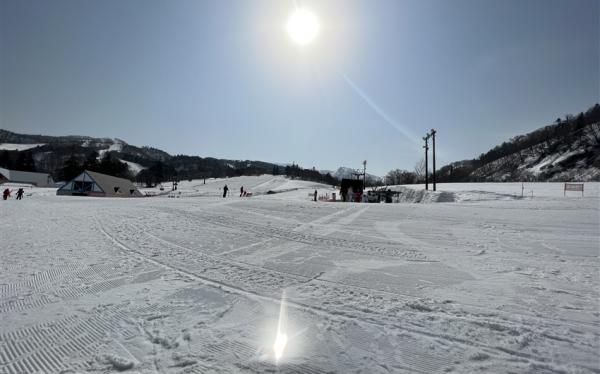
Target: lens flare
[
  {"x": 279, "y": 346},
  {"x": 281, "y": 338},
  {"x": 303, "y": 26}
]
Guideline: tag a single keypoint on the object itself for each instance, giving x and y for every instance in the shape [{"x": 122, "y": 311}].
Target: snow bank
[
  {"x": 411, "y": 195},
  {"x": 509, "y": 190}
]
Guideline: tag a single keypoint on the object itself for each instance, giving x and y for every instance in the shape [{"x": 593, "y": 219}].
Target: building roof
[
  {"x": 108, "y": 183},
  {"x": 16, "y": 176},
  {"x": 99, "y": 185}
]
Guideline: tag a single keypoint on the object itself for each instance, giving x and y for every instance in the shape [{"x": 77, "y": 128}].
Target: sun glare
[
  {"x": 281, "y": 338},
  {"x": 303, "y": 27}
]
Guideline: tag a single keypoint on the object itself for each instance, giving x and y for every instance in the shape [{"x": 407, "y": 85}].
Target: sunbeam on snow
[{"x": 281, "y": 338}]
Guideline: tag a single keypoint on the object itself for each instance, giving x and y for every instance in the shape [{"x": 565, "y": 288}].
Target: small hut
[{"x": 90, "y": 183}]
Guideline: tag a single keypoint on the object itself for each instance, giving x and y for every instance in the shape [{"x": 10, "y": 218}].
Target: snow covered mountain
[
  {"x": 51, "y": 152},
  {"x": 63, "y": 155},
  {"x": 346, "y": 172},
  {"x": 568, "y": 150},
  {"x": 578, "y": 160}
]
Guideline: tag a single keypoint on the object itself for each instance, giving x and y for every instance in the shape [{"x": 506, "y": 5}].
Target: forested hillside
[
  {"x": 567, "y": 150},
  {"x": 66, "y": 156}
]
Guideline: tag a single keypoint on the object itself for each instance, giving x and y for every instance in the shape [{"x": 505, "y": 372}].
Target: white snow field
[{"x": 194, "y": 284}]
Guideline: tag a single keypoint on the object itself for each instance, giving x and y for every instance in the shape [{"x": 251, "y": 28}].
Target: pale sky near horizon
[{"x": 221, "y": 78}]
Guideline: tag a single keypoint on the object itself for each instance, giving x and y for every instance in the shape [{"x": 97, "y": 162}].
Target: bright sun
[{"x": 303, "y": 27}]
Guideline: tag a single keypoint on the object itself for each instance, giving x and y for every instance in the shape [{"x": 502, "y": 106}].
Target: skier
[
  {"x": 241, "y": 191},
  {"x": 315, "y": 195},
  {"x": 6, "y": 194},
  {"x": 20, "y": 193},
  {"x": 225, "y": 189}
]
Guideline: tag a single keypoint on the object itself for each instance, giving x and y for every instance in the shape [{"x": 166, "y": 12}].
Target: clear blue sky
[{"x": 221, "y": 78}]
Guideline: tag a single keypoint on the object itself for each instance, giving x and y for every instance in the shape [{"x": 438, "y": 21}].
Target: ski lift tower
[{"x": 357, "y": 173}]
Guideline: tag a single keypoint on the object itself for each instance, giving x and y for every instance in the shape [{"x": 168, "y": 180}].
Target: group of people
[
  {"x": 243, "y": 192},
  {"x": 6, "y": 194}
]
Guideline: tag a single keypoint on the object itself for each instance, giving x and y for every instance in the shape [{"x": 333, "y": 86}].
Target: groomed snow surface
[{"x": 193, "y": 283}]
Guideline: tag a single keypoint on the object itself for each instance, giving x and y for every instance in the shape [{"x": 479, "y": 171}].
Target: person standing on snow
[
  {"x": 6, "y": 194},
  {"x": 315, "y": 195},
  {"x": 365, "y": 197},
  {"x": 241, "y": 191},
  {"x": 20, "y": 193},
  {"x": 225, "y": 189}
]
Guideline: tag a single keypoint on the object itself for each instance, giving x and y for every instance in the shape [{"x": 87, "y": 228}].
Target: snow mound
[
  {"x": 410, "y": 195},
  {"x": 118, "y": 363}
]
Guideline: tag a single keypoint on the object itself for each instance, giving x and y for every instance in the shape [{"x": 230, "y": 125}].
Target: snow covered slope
[
  {"x": 115, "y": 146},
  {"x": 18, "y": 147},
  {"x": 568, "y": 151},
  {"x": 194, "y": 285},
  {"x": 257, "y": 185},
  {"x": 577, "y": 160},
  {"x": 133, "y": 167}
]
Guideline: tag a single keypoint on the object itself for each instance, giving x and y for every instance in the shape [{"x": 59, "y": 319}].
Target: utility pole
[
  {"x": 426, "y": 146},
  {"x": 364, "y": 174},
  {"x": 433, "y": 136}
]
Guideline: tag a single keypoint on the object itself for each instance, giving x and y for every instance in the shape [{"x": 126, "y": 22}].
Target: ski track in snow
[{"x": 193, "y": 285}]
